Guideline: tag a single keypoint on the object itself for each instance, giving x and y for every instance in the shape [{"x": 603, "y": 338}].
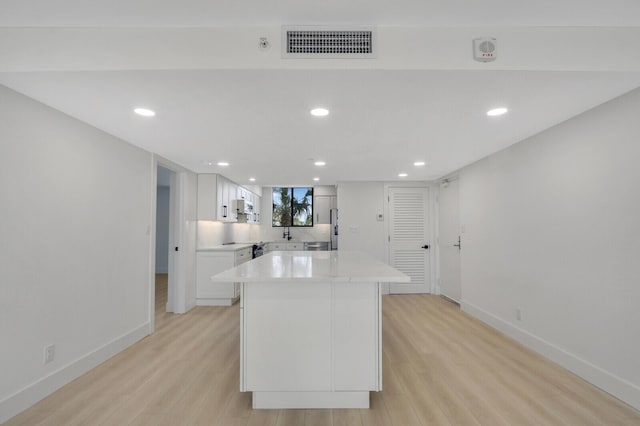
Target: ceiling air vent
[{"x": 328, "y": 42}]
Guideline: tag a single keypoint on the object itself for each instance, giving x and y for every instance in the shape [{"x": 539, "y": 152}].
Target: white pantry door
[
  {"x": 449, "y": 241},
  {"x": 409, "y": 242}
]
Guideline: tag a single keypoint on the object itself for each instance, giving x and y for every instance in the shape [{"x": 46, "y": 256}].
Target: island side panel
[
  {"x": 357, "y": 337},
  {"x": 287, "y": 336}
]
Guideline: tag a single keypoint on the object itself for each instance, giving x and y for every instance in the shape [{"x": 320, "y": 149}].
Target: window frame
[{"x": 291, "y": 204}]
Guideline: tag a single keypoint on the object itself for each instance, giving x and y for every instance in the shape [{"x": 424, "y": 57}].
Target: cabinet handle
[
  {"x": 224, "y": 211},
  {"x": 318, "y": 217}
]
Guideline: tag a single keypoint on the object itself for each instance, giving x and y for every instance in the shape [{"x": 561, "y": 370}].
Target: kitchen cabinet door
[
  {"x": 208, "y": 197},
  {"x": 278, "y": 246},
  {"x": 321, "y": 209},
  {"x": 256, "y": 208},
  {"x": 207, "y": 265},
  {"x": 226, "y": 193},
  {"x": 232, "y": 194},
  {"x": 222, "y": 206},
  {"x": 209, "y": 293}
]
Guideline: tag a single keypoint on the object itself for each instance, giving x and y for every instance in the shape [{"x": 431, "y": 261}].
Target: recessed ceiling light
[
  {"x": 402, "y": 175},
  {"x": 316, "y": 179},
  {"x": 144, "y": 112},
  {"x": 319, "y": 163},
  {"x": 319, "y": 112},
  {"x": 496, "y": 111},
  {"x": 252, "y": 179},
  {"x": 419, "y": 163},
  {"x": 223, "y": 163}
]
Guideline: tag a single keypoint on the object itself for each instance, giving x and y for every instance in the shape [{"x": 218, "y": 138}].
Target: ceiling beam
[{"x": 399, "y": 48}]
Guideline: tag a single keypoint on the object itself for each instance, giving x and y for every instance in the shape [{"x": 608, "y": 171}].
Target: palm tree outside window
[{"x": 292, "y": 207}]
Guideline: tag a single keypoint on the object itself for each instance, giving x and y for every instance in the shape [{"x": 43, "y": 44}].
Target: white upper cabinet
[
  {"x": 215, "y": 199},
  {"x": 208, "y": 197},
  {"x": 322, "y": 207},
  {"x": 232, "y": 194},
  {"x": 214, "y": 202},
  {"x": 256, "y": 208}
]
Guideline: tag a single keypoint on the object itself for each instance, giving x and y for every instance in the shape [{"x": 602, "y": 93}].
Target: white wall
[
  {"x": 358, "y": 205},
  {"x": 74, "y": 247},
  {"x": 552, "y": 226}
]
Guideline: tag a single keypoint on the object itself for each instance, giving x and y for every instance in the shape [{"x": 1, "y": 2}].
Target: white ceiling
[
  {"x": 204, "y": 13},
  {"x": 256, "y": 116}
]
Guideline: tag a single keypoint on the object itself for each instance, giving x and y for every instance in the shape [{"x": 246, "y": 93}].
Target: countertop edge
[{"x": 229, "y": 247}]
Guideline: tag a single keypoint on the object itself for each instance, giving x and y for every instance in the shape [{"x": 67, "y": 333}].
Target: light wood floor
[
  {"x": 162, "y": 316},
  {"x": 441, "y": 367}
]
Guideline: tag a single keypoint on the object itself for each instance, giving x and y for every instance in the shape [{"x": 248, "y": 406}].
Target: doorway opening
[{"x": 163, "y": 275}]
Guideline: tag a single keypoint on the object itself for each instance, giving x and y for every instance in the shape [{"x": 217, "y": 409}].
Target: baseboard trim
[
  {"x": 31, "y": 394},
  {"x": 610, "y": 383}
]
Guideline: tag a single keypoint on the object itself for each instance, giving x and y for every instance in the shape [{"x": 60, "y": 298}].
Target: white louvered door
[{"x": 408, "y": 236}]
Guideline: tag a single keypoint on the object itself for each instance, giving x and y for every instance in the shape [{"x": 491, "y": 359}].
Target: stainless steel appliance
[
  {"x": 316, "y": 245},
  {"x": 258, "y": 249},
  {"x": 333, "y": 219}
]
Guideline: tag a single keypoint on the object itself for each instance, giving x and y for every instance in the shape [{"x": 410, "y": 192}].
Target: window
[{"x": 292, "y": 207}]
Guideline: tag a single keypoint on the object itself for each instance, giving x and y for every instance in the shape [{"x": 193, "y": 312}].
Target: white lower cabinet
[
  {"x": 284, "y": 246},
  {"x": 209, "y": 263}
]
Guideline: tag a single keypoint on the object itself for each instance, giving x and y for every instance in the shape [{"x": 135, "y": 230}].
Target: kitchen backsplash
[
  {"x": 213, "y": 233},
  {"x": 315, "y": 233}
]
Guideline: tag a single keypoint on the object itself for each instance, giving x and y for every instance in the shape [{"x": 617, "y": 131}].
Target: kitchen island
[{"x": 311, "y": 328}]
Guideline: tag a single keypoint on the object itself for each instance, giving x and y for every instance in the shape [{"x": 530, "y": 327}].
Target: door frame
[
  {"x": 455, "y": 176},
  {"x": 431, "y": 226},
  {"x": 177, "y": 236}
]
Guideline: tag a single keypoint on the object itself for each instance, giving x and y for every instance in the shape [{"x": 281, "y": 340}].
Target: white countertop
[
  {"x": 290, "y": 266},
  {"x": 228, "y": 247}
]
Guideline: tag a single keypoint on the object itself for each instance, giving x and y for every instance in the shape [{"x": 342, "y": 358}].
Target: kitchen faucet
[{"x": 286, "y": 233}]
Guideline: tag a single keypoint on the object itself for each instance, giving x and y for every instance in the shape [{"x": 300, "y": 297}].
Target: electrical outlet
[
  {"x": 519, "y": 314},
  {"x": 49, "y": 353}
]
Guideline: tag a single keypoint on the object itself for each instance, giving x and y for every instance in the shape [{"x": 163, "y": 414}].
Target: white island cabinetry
[{"x": 310, "y": 332}]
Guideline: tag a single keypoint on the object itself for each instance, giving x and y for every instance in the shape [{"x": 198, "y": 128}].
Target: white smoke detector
[{"x": 484, "y": 49}]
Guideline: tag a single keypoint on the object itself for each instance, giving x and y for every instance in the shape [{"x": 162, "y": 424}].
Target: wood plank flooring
[{"x": 441, "y": 367}]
